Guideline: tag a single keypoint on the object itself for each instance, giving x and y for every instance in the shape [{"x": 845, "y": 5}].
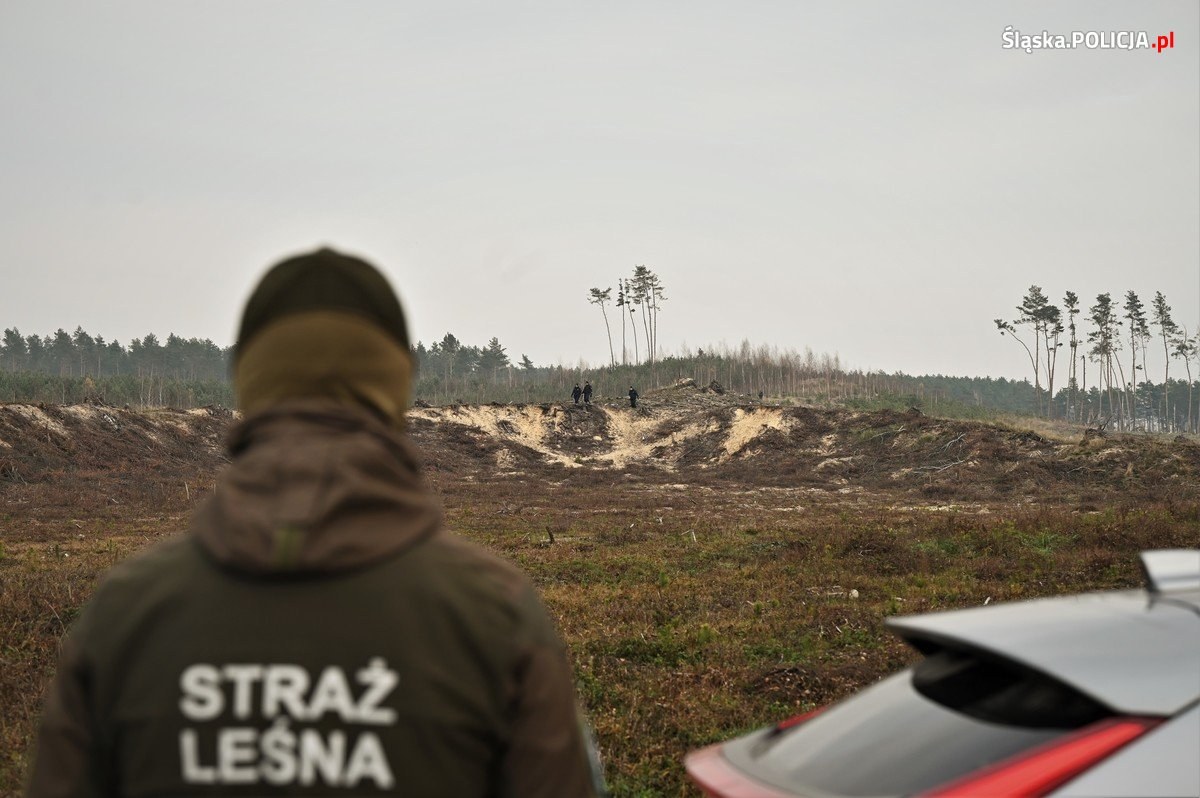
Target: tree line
[
  {"x": 80, "y": 354},
  {"x": 1119, "y": 334},
  {"x": 66, "y": 368},
  {"x": 78, "y": 367}
]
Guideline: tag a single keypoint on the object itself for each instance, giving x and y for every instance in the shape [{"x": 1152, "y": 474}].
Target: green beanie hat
[{"x": 323, "y": 280}]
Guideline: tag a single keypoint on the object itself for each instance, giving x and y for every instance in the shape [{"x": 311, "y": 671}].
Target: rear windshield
[{"x": 914, "y": 731}]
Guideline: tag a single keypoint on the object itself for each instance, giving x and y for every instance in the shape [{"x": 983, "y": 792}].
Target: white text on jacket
[{"x": 283, "y": 695}]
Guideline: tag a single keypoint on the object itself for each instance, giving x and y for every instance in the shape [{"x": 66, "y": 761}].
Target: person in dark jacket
[
  {"x": 317, "y": 630},
  {"x": 576, "y": 393},
  {"x": 587, "y": 392},
  {"x": 633, "y": 397}
]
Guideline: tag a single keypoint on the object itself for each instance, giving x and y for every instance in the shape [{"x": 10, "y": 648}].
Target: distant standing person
[
  {"x": 633, "y": 396},
  {"x": 575, "y": 394},
  {"x": 587, "y": 392}
]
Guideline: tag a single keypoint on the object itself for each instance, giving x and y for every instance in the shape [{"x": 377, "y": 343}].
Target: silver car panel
[
  {"x": 1164, "y": 763},
  {"x": 1132, "y": 652},
  {"x": 1171, "y": 570}
]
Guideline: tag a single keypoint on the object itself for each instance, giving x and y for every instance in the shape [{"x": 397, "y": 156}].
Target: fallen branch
[
  {"x": 887, "y": 432},
  {"x": 937, "y": 469},
  {"x": 956, "y": 440}
]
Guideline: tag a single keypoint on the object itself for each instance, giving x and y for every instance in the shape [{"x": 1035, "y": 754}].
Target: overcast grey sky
[{"x": 878, "y": 180}]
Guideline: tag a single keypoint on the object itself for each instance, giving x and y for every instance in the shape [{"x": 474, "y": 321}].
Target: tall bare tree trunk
[{"x": 636, "y": 357}]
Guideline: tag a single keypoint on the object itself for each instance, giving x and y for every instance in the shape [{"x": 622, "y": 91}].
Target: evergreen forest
[{"x": 78, "y": 367}]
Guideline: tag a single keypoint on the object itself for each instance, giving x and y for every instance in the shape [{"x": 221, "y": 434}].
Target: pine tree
[
  {"x": 36, "y": 349},
  {"x": 1071, "y": 303},
  {"x": 1103, "y": 339},
  {"x": 1139, "y": 335},
  {"x": 601, "y": 298},
  {"x": 492, "y": 358},
  {"x": 1052, "y": 329},
  {"x": 15, "y": 351},
  {"x": 621, "y": 302},
  {"x": 1168, "y": 329},
  {"x": 1032, "y": 312},
  {"x": 656, "y": 297},
  {"x": 99, "y": 351},
  {"x": 62, "y": 349},
  {"x": 1186, "y": 348},
  {"x": 640, "y": 287},
  {"x": 451, "y": 350},
  {"x": 84, "y": 348}
]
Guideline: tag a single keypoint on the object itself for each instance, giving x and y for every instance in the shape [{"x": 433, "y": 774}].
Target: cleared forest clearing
[{"x": 712, "y": 564}]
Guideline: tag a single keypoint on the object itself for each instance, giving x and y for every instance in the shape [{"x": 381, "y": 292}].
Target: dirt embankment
[
  {"x": 684, "y": 434},
  {"x": 71, "y": 460},
  {"x": 678, "y": 435}
]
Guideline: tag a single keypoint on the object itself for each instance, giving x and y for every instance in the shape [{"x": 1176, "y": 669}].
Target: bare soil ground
[
  {"x": 698, "y": 437},
  {"x": 714, "y": 564}
]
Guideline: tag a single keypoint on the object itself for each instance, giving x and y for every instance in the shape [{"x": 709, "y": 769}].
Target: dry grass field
[{"x": 713, "y": 565}]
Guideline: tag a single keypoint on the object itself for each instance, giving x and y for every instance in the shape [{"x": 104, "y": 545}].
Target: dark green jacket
[{"x": 317, "y": 632}]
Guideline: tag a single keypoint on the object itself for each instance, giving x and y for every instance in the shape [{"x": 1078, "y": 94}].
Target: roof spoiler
[{"x": 1171, "y": 570}]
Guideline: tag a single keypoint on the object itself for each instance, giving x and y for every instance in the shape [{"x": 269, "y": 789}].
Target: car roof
[{"x": 1136, "y": 652}]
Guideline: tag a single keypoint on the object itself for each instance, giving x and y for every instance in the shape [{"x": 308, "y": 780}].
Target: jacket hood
[{"x": 315, "y": 487}]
